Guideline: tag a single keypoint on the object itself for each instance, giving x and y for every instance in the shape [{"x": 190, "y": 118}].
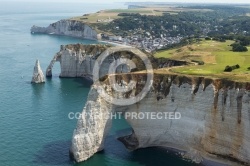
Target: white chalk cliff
[
  {"x": 71, "y": 28},
  {"x": 90, "y": 133},
  {"x": 215, "y": 113},
  {"x": 38, "y": 76},
  {"x": 77, "y": 60},
  {"x": 214, "y": 124}
]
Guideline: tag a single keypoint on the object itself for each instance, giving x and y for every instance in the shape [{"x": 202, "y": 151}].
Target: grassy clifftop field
[
  {"x": 216, "y": 55},
  {"x": 155, "y": 10}
]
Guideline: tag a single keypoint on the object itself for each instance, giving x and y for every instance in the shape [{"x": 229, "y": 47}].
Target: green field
[
  {"x": 113, "y": 14},
  {"x": 216, "y": 55},
  {"x": 141, "y": 11},
  {"x": 147, "y": 10}
]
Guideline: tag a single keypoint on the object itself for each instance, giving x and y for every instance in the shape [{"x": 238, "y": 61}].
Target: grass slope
[{"x": 216, "y": 55}]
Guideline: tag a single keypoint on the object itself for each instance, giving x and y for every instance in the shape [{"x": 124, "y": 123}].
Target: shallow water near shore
[{"x": 34, "y": 124}]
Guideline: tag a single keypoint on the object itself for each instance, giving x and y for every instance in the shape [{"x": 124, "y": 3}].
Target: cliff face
[
  {"x": 215, "y": 114},
  {"x": 214, "y": 123},
  {"x": 38, "y": 76},
  {"x": 89, "y": 135},
  {"x": 77, "y": 60},
  {"x": 68, "y": 28}
]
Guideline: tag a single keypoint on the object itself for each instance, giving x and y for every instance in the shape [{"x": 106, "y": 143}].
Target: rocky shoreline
[{"x": 70, "y": 28}]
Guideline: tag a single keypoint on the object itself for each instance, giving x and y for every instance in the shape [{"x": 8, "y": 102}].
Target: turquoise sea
[{"x": 34, "y": 126}]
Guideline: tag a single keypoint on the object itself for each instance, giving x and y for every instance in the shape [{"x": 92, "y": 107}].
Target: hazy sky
[
  {"x": 186, "y": 1},
  {"x": 112, "y": 1}
]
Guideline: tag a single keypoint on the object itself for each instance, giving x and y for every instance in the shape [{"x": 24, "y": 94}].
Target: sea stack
[{"x": 38, "y": 76}]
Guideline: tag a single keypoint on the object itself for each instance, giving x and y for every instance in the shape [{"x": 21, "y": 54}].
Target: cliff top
[
  {"x": 215, "y": 55},
  {"x": 179, "y": 79},
  {"x": 105, "y": 16},
  {"x": 212, "y": 53}
]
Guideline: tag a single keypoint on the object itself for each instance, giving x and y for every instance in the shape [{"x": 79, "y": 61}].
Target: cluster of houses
[
  {"x": 107, "y": 20},
  {"x": 147, "y": 43}
]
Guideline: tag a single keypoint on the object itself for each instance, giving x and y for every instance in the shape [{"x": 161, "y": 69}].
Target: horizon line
[{"x": 124, "y": 2}]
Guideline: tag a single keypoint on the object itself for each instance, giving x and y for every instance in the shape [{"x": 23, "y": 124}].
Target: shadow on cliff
[
  {"x": 84, "y": 82},
  {"x": 54, "y": 153},
  {"x": 115, "y": 153},
  {"x": 147, "y": 157}
]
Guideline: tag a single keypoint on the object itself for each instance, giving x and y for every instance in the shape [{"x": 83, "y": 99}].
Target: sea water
[{"x": 34, "y": 126}]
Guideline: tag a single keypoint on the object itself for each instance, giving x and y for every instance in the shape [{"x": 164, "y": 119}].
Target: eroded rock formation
[
  {"x": 71, "y": 28},
  {"x": 38, "y": 76},
  {"x": 77, "y": 60},
  {"x": 90, "y": 132},
  {"x": 214, "y": 123},
  {"x": 215, "y": 113}
]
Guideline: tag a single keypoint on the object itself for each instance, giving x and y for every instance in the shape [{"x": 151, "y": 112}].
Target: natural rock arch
[{"x": 80, "y": 64}]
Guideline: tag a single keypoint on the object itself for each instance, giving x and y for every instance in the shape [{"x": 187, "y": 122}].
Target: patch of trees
[
  {"x": 182, "y": 43},
  {"x": 238, "y": 25},
  {"x": 223, "y": 20},
  {"x": 231, "y": 68},
  {"x": 240, "y": 41},
  {"x": 219, "y": 39},
  {"x": 237, "y": 47},
  {"x": 222, "y": 37},
  {"x": 243, "y": 40}
]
